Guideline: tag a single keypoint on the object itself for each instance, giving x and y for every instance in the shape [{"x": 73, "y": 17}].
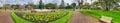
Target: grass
[
  {"x": 64, "y": 19},
  {"x": 98, "y": 13},
  {"x": 4, "y": 9},
  {"x": 18, "y": 19}
]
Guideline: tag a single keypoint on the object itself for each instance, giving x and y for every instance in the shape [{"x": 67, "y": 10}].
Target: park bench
[{"x": 105, "y": 19}]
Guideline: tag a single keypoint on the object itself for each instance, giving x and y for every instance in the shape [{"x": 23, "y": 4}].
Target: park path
[
  {"x": 5, "y": 16},
  {"x": 78, "y": 17}
]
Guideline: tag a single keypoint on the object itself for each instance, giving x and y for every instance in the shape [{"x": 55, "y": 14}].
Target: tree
[
  {"x": 86, "y": 6},
  {"x": 41, "y": 5},
  {"x": 62, "y": 5},
  {"x": 50, "y": 6},
  {"x": 7, "y": 6},
  {"x": 73, "y": 5},
  {"x": 80, "y": 3},
  {"x": 68, "y": 6},
  {"x": 95, "y": 5},
  {"x": 108, "y": 4},
  {"x": 15, "y": 6}
]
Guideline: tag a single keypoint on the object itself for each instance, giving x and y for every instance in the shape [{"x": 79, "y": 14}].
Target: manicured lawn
[
  {"x": 4, "y": 9},
  {"x": 98, "y": 13},
  {"x": 18, "y": 19}
]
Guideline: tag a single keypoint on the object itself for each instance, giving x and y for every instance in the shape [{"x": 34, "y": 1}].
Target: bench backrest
[{"x": 106, "y": 19}]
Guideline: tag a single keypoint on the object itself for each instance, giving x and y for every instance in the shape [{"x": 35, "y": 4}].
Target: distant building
[
  {"x": 30, "y": 6},
  {"x": 7, "y": 6},
  {"x": 21, "y": 6}
]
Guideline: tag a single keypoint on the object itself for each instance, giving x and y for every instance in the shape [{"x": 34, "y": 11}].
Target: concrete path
[
  {"x": 5, "y": 17},
  {"x": 82, "y": 18}
]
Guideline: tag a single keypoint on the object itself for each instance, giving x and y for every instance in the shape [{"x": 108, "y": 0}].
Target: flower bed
[{"x": 41, "y": 17}]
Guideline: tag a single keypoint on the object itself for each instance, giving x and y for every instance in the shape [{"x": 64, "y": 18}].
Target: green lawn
[
  {"x": 98, "y": 13},
  {"x": 4, "y": 9},
  {"x": 64, "y": 19},
  {"x": 18, "y": 19}
]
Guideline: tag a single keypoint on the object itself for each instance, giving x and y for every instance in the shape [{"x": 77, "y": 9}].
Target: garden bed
[{"x": 41, "y": 17}]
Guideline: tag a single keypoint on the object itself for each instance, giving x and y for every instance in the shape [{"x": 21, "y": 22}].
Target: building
[
  {"x": 21, "y": 6},
  {"x": 7, "y": 6}
]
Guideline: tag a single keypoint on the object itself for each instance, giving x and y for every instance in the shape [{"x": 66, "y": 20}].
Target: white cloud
[
  {"x": 68, "y": 1},
  {"x": 37, "y": 1},
  {"x": 89, "y": 1}
]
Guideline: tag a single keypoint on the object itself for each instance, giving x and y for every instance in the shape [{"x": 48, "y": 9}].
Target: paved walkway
[
  {"x": 82, "y": 18},
  {"x": 5, "y": 17}
]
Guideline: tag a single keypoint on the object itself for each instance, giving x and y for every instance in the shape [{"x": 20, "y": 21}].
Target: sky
[{"x": 37, "y": 1}]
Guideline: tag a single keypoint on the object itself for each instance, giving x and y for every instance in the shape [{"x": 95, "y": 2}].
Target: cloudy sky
[{"x": 37, "y": 1}]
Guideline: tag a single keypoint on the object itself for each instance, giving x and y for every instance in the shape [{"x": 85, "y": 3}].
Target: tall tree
[
  {"x": 62, "y": 4},
  {"x": 73, "y": 5},
  {"x": 41, "y": 4},
  {"x": 108, "y": 4},
  {"x": 80, "y": 3}
]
